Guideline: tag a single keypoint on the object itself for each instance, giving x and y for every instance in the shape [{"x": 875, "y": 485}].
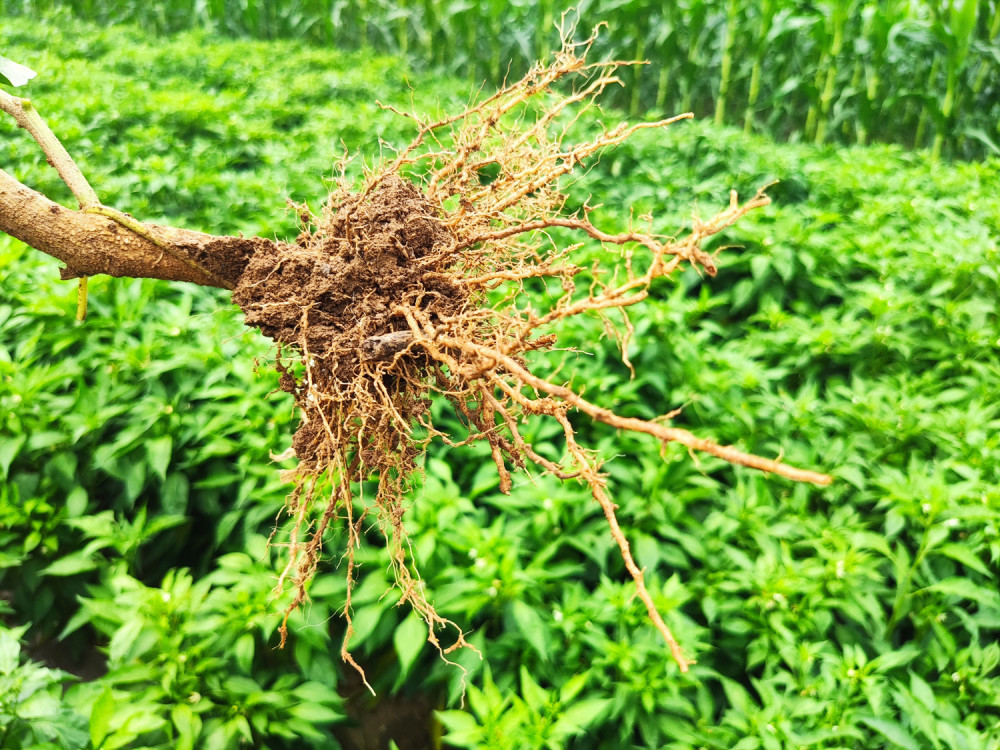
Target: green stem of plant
[
  {"x": 986, "y": 67},
  {"x": 809, "y": 131},
  {"x": 918, "y": 138},
  {"x": 767, "y": 19},
  {"x": 727, "y": 62},
  {"x": 363, "y": 15},
  {"x": 826, "y": 99},
  {"x": 872, "y": 82},
  {"x": 543, "y": 30},
  {"x": 640, "y": 54},
  {"x": 859, "y": 123},
  {"x": 81, "y": 299},
  {"x": 402, "y": 35},
  {"x": 752, "y": 98},
  {"x": 661, "y": 86},
  {"x": 946, "y": 109}
]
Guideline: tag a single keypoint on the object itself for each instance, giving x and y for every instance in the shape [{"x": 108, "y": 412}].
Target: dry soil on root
[{"x": 339, "y": 287}]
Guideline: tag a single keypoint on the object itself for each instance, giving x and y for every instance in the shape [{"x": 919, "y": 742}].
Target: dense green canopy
[{"x": 855, "y": 329}]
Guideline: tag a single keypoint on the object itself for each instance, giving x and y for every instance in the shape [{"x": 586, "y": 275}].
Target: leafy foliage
[
  {"x": 188, "y": 664},
  {"x": 923, "y": 73},
  {"x": 856, "y": 331},
  {"x": 32, "y": 713}
]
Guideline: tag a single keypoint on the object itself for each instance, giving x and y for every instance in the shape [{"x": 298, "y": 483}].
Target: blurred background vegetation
[
  {"x": 854, "y": 329},
  {"x": 916, "y": 72}
]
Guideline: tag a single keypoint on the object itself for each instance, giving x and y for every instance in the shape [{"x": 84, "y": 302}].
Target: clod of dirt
[{"x": 335, "y": 295}]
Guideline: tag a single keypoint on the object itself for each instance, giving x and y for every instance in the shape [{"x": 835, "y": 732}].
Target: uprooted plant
[
  {"x": 410, "y": 287},
  {"x": 406, "y": 290}
]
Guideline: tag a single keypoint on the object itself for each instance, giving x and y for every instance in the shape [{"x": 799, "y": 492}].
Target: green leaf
[
  {"x": 174, "y": 494},
  {"x": 410, "y": 637},
  {"x": 100, "y": 717},
  {"x": 533, "y": 694},
  {"x": 76, "y": 502},
  {"x": 922, "y": 692},
  {"x": 529, "y": 622},
  {"x": 241, "y": 685},
  {"x": 10, "y": 652},
  {"x": 990, "y": 657},
  {"x": 364, "y": 621},
  {"x": 162, "y": 523},
  {"x": 961, "y": 553},
  {"x": 892, "y": 731},
  {"x": 14, "y": 73},
  {"x": 962, "y": 18},
  {"x": 9, "y": 448},
  {"x": 241, "y": 726},
  {"x": 78, "y": 562},
  {"x": 965, "y": 589},
  {"x": 462, "y": 728},
  {"x": 578, "y": 717},
  {"x": 188, "y": 725},
  {"x": 122, "y": 640},
  {"x": 139, "y": 722},
  {"x": 572, "y": 687},
  {"x": 39, "y": 706},
  {"x": 301, "y": 728},
  {"x": 243, "y": 651},
  {"x": 77, "y": 621},
  {"x": 159, "y": 451},
  {"x": 759, "y": 265},
  {"x": 738, "y": 696},
  {"x": 317, "y": 692},
  {"x": 315, "y": 713},
  {"x": 892, "y": 659}
]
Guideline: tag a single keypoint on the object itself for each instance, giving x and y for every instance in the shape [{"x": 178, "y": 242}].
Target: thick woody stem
[
  {"x": 91, "y": 243},
  {"x": 25, "y": 215}
]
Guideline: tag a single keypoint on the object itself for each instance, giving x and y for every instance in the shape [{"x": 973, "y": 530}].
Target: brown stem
[
  {"x": 27, "y": 117},
  {"x": 92, "y": 243}
]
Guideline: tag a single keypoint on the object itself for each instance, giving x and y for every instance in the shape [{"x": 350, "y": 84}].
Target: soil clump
[{"x": 336, "y": 295}]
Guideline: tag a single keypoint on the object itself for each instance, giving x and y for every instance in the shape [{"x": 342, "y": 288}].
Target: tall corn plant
[
  {"x": 666, "y": 31},
  {"x": 830, "y": 42},
  {"x": 954, "y": 26},
  {"x": 767, "y": 10},
  {"x": 872, "y": 55},
  {"x": 726, "y": 62},
  {"x": 921, "y": 72},
  {"x": 986, "y": 84}
]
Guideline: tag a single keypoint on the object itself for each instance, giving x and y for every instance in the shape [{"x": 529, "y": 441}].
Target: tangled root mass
[{"x": 410, "y": 288}]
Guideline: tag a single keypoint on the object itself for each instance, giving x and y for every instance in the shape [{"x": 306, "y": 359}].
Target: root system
[{"x": 410, "y": 287}]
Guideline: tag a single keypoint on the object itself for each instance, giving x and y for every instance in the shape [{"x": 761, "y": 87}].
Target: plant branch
[
  {"x": 92, "y": 242},
  {"x": 27, "y": 117},
  {"x": 25, "y": 211}
]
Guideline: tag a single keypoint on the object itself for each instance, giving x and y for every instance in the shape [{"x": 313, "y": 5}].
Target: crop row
[{"x": 917, "y": 72}]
